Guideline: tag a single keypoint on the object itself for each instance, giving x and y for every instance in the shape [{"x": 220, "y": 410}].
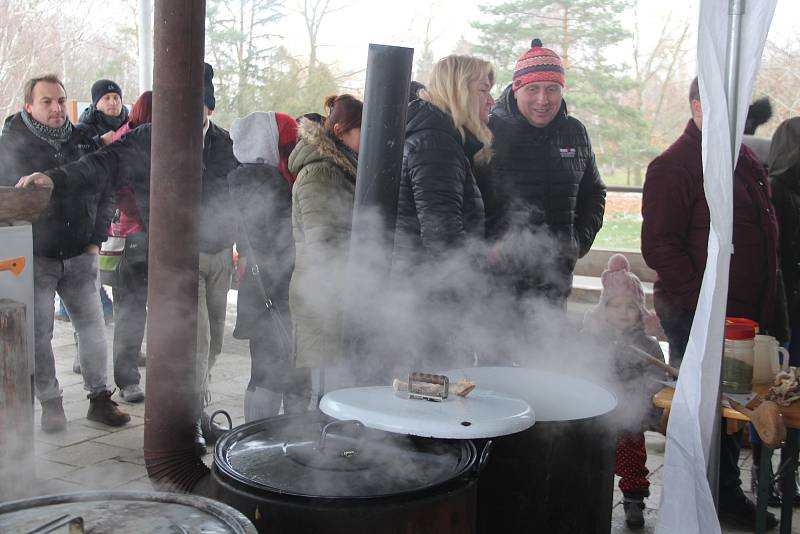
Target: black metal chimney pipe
[
  {"x": 171, "y": 408},
  {"x": 380, "y": 159}
]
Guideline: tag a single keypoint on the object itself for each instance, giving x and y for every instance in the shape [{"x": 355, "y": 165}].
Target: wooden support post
[{"x": 16, "y": 402}]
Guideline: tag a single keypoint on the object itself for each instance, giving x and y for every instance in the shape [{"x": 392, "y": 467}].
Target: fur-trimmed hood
[{"x": 316, "y": 145}]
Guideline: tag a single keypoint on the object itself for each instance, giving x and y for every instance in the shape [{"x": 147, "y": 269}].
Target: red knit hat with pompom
[{"x": 537, "y": 65}]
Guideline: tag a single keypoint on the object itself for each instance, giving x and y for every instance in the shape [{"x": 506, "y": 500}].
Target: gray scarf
[{"x": 55, "y": 137}]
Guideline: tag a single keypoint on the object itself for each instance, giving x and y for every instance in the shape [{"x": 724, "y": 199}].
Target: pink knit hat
[{"x": 618, "y": 280}]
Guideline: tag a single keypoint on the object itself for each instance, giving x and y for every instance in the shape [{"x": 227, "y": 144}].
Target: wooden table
[{"x": 791, "y": 417}]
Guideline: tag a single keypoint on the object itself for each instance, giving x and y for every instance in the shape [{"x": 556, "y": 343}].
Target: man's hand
[
  {"x": 92, "y": 249},
  {"x": 107, "y": 138},
  {"x": 36, "y": 179}
]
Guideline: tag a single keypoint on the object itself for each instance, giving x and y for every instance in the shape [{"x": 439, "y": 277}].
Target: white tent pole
[
  {"x": 736, "y": 11},
  {"x": 145, "y": 45}
]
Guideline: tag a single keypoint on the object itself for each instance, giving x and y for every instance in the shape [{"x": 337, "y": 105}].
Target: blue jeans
[{"x": 76, "y": 281}]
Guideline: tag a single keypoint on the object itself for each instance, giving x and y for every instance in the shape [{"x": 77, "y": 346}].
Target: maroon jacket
[{"x": 676, "y": 225}]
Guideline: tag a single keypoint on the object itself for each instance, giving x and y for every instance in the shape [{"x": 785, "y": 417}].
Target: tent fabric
[{"x": 687, "y": 505}]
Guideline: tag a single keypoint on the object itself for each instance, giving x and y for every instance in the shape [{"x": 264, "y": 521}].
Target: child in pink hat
[{"x": 618, "y": 323}]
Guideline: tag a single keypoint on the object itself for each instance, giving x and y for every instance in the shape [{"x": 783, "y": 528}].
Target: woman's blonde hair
[{"x": 448, "y": 90}]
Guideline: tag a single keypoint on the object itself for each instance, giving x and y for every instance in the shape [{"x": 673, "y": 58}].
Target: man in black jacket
[
  {"x": 107, "y": 112},
  {"x": 66, "y": 242},
  {"x": 544, "y": 198},
  {"x": 127, "y": 161}
]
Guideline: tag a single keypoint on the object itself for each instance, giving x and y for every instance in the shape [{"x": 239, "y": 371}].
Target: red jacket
[{"x": 675, "y": 230}]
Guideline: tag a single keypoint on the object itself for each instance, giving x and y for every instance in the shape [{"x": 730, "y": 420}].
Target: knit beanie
[
  {"x": 208, "y": 87},
  {"x": 618, "y": 280},
  {"x": 538, "y": 64},
  {"x": 102, "y": 87}
]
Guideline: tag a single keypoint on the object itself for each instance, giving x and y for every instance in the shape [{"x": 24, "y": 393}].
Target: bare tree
[{"x": 313, "y": 13}]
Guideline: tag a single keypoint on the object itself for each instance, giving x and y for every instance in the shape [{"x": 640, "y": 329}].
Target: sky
[{"x": 347, "y": 32}]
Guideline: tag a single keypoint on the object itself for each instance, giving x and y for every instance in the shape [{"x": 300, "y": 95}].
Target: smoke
[{"x": 454, "y": 311}]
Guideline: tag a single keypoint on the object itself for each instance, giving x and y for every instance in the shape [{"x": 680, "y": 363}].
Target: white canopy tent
[{"x": 728, "y": 57}]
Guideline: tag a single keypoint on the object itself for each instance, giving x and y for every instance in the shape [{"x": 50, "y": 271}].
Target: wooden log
[{"x": 16, "y": 401}]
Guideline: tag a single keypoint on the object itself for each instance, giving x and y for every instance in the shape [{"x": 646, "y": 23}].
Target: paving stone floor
[{"x": 92, "y": 456}]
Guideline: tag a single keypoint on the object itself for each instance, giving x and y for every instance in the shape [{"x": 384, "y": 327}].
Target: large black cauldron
[
  {"x": 310, "y": 474},
  {"x": 556, "y": 477}
]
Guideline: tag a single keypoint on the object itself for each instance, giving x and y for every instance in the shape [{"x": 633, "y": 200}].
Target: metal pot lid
[
  {"x": 123, "y": 511},
  {"x": 481, "y": 414},
  {"x": 288, "y": 455},
  {"x": 554, "y": 396}
]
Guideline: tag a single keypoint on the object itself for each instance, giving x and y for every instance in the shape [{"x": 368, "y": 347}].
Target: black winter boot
[
  {"x": 103, "y": 410},
  {"x": 53, "y": 418}
]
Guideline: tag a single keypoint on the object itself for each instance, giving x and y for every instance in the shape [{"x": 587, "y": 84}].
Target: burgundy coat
[{"x": 676, "y": 225}]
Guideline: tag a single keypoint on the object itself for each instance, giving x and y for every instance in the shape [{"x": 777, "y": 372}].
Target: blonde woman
[
  {"x": 447, "y": 130},
  {"x": 440, "y": 206}
]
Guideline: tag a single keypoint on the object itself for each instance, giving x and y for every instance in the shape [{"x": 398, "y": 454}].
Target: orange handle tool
[{"x": 15, "y": 265}]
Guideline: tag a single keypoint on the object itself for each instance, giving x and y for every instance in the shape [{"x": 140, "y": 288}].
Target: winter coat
[
  {"x": 440, "y": 205},
  {"x": 95, "y": 123},
  {"x": 127, "y": 162},
  {"x": 322, "y": 212},
  {"x": 784, "y": 162},
  {"x": 263, "y": 198},
  {"x": 633, "y": 380},
  {"x": 127, "y": 219},
  {"x": 218, "y": 221},
  {"x": 73, "y": 219},
  {"x": 675, "y": 228},
  {"x": 545, "y": 181}
]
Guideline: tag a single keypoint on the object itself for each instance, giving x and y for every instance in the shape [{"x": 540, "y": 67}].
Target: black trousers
[
  {"x": 130, "y": 310},
  {"x": 677, "y": 327}
]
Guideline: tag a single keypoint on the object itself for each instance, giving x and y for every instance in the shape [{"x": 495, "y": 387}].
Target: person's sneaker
[
  {"x": 634, "y": 511},
  {"x": 53, "y": 418},
  {"x": 737, "y": 510},
  {"x": 103, "y": 410},
  {"x": 132, "y": 393}
]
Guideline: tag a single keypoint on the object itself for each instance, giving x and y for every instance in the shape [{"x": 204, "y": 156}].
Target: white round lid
[
  {"x": 554, "y": 396},
  {"x": 481, "y": 414}
]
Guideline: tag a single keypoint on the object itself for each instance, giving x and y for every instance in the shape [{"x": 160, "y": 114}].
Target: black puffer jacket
[
  {"x": 543, "y": 179},
  {"x": 95, "y": 123},
  {"x": 263, "y": 198},
  {"x": 72, "y": 220},
  {"x": 127, "y": 162},
  {"x": 440, "y": 204}
]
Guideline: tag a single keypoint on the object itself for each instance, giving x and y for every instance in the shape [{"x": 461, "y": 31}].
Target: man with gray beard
[{"x": 66, "y": 243}]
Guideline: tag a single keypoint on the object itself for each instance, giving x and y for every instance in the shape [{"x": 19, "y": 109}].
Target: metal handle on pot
[
  {"x": 327, "y": 428},
  {"x": 484, "y": 458}
]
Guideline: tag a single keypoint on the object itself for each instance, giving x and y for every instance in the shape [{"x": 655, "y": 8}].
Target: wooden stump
[{"x": 16, "y": 402}]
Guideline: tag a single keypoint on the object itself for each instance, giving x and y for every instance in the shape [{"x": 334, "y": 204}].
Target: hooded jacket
[
  {"x": 675, "y": 228},
  {"x": 263, "y": 199},
  {"x": 440, "y": 205},
  {"x": 784, "y": 175},
  {"x": 127, "y": 162},
  {"x": 543, "y": 179},
  {"x": 72, "y": 219},
  {"x": 322, "y": 211}
]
